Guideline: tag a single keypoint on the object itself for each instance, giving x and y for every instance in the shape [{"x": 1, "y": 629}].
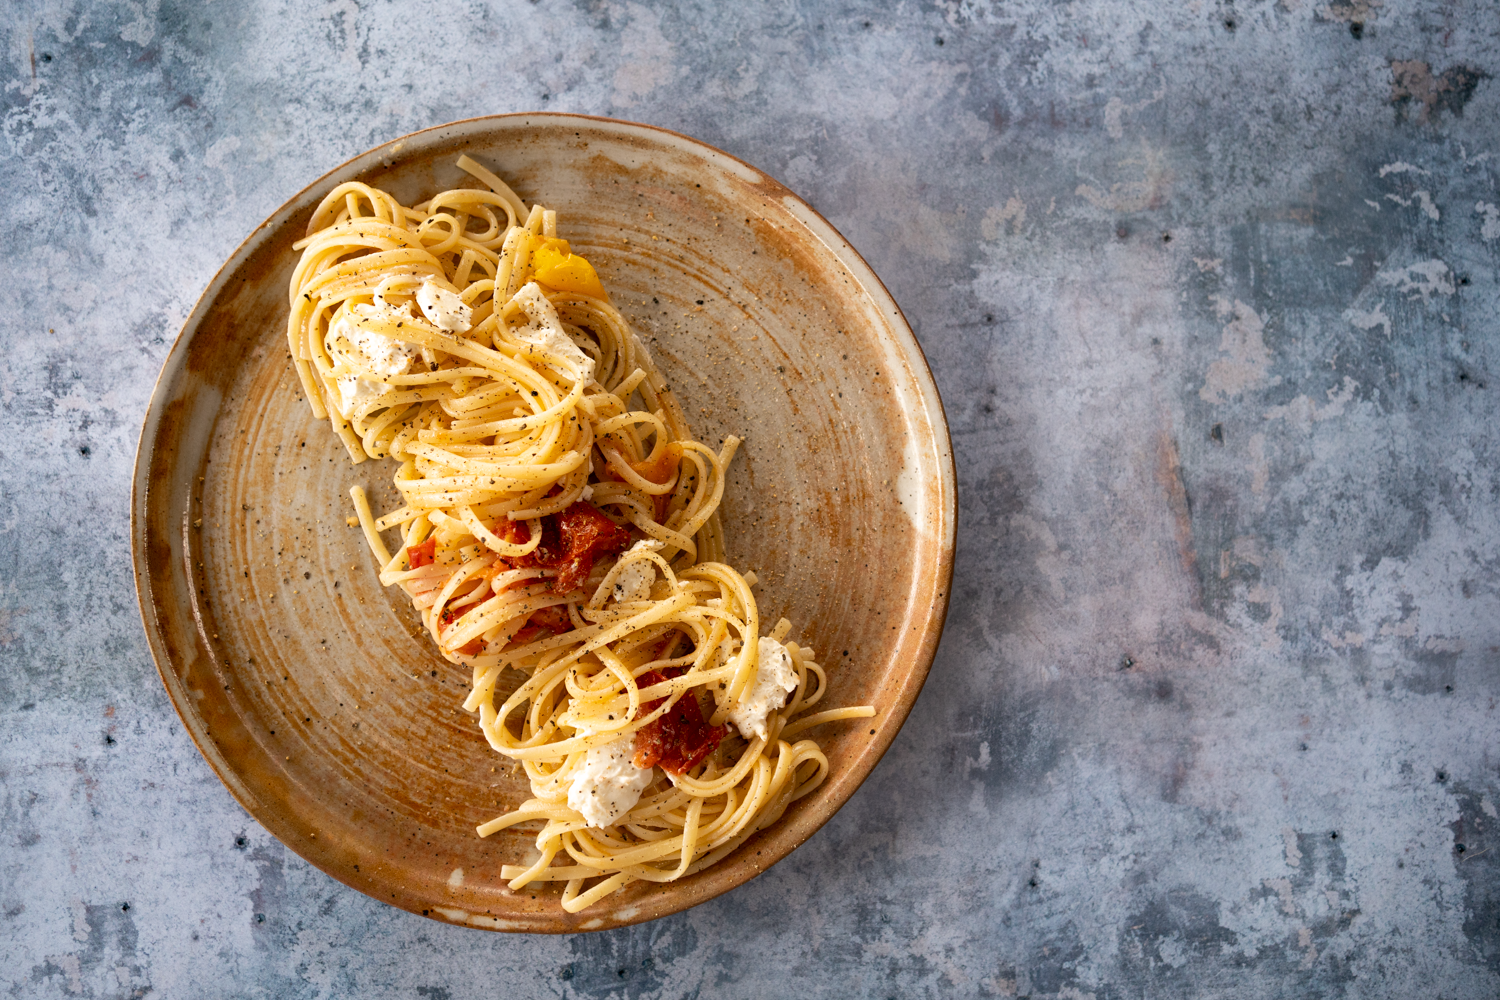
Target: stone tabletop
[{"x": 1210, "y": 290}]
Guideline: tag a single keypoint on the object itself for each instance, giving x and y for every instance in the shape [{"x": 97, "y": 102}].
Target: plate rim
[{"x": 862, "y": 764}]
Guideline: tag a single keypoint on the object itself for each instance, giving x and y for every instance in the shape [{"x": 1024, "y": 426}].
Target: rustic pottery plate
[{"x": 312, "y": 691}]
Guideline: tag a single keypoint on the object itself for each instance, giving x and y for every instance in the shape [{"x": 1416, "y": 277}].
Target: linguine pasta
[{"x": 559, "y": 533}]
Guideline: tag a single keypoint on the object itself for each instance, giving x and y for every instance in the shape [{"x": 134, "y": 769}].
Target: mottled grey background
[{"x": 1210, "y": 289}]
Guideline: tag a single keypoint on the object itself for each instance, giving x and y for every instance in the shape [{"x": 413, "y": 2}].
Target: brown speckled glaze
[{"x": 312, "y": 691}]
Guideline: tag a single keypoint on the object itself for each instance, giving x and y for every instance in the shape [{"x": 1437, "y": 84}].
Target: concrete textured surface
[{"x": 1211, "y": 291}]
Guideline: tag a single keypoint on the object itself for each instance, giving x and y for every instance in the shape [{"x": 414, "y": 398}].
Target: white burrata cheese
[
  {"x": 354, "y": 393},
  {"x": 444, "y": 309},
  {"x": 608, "y": 784},
  {"x": 775, "y": 678},
  {"x": 545, "y": 330},
  {"x": 634, "y": 583},
  {"x": 380, "y": 354}
]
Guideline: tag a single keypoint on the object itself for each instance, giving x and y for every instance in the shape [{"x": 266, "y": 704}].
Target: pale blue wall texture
[{"x": 1210, "y": 290}]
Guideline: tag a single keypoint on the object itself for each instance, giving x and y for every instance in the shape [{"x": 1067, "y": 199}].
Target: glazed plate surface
[{"x": 314, "y": 693}]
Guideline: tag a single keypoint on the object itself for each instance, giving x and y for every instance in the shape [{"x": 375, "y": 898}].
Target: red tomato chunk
[
  {"x": 474, "y": 646},
  {"x": 553, "y": 620},
  {"x": 423, "y": 554},
  {"x": 571, "y": 540},
  {"x": 678, "y": 740}
]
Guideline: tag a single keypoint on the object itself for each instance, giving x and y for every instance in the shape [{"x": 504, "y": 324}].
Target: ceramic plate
[{"x": 313, "y": 692}]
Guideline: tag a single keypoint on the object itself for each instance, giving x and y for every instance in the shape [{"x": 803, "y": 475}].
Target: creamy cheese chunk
[
  {"x": 545, "y": 330},
  {"x": 444, "y": 309},
  {"x": 608, "y": 784},
  {"x": 634, "y": 583},
  {"x": 354, "y": 393},
  {"x": 775, "y": 678},
  {"x": 378, "y": 353}
]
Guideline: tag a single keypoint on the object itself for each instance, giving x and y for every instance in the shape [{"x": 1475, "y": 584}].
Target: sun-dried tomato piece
[
  {"x": 586, "y": 534},
  {"x": 680, "y": 739},
  {"x": 422, "y": 554},
  {"x": 552, "y": 620},
  {"x": 659, "y": 467},
  {"x": 514, "y": 532},
  {"x": 447, "y": 617},
  {"x": 571, "y": 540},
  {"x": 529, "y": 633}
]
